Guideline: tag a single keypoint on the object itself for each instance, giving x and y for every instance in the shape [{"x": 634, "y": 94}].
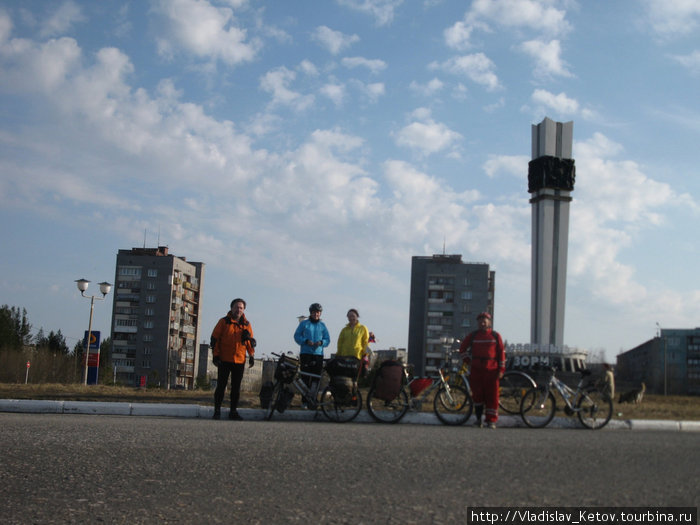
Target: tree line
[{"x": 51, "y": 359}]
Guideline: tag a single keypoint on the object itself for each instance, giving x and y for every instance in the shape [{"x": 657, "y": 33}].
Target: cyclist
[
  {"x": 231, "y": 339},
  {"x": 488, "y": 364},
  {"x": 354, "y": 337},
  {"x": 312, "y": 337}
]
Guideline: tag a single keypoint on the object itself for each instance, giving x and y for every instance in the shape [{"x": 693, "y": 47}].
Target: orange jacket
[{"x": 227, "y": 339}]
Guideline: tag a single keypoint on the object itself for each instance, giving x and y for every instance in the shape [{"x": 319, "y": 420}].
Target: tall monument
[{"x": 551, "y": 175}]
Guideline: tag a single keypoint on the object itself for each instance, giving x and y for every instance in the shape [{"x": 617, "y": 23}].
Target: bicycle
[
  {"x": 512, "y": 386},
  {"x": 289, "y": 378},
  {"x": 593, "y": 407},
  {"x": 452, "y": 404}
]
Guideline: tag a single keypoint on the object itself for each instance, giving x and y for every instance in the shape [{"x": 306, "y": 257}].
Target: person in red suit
[{"x": 484, "y": 351}]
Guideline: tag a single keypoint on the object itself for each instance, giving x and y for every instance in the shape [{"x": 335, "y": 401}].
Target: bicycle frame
[{"x": 568, "y": 394}]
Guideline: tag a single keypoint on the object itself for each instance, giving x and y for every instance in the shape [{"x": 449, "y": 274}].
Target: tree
[
  {"x": 15, "y": 330},
  {"x": 55, "y": 341}
]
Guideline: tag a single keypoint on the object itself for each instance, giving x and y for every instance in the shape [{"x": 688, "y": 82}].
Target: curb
[{"x": 33, "y": 406}]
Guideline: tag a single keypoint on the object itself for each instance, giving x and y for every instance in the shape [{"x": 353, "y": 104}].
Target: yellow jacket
[{"x": 352, "y": 341}]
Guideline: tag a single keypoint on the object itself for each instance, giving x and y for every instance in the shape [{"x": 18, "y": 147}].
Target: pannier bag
[
  {"x": 286, "y": 368},
  {"x": 343, "y": 366},
  {"x": 342, "y": 388},
  {"x": 266, "y": 394},
  {"x": 389, "y": 380},
  {"x": 419, "y": 384},
  {"x": 284, "y": 400}
]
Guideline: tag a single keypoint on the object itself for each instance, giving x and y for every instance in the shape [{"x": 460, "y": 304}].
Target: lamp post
[
  {"x": 665, "y": 360},
  {"x": 105, "y": 287}
]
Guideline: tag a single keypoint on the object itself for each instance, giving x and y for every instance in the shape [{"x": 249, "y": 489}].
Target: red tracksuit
[{"x": 488, "y": 360}]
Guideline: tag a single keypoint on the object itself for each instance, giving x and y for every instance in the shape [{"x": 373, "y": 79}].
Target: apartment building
[
  {"x": 446, "y": 296},
  {"x": 667, "y": 364},
  {"x": 156, "y": 318}
]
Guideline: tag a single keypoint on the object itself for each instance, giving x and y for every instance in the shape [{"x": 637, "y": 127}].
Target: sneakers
[
  {"x": 491, "y": 425},
  {"x": 235, "y": 416},
  {"x": 479, "y": 424},
  {"x": 217, "y": 414}
]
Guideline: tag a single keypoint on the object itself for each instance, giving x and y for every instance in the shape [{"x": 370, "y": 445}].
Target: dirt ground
[{"x": 684, "y": 408}]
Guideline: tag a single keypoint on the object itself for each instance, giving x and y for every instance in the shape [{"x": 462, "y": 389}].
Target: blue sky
[{"x": 306, "y": 150}]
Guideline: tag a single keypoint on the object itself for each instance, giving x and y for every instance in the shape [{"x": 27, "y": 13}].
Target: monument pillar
[{"x": 551, "y": 175}]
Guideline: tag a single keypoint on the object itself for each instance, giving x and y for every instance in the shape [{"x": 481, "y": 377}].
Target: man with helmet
[
  {"x": 484, "y": 350},
  {"x": 312, "y": 337}
]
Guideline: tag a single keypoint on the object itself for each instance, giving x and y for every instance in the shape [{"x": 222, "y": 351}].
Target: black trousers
[
  {"x": 236, "y": 372},
  {"x": 313, "y": 364}
]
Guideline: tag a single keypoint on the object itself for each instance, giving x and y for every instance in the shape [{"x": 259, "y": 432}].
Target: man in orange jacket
[{"x": 231, "y": 339}]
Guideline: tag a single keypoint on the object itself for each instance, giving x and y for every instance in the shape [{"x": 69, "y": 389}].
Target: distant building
[
  {"x": 156, "y": 318},
  {"x": 446, "y": 296},
  {"x": 668, "y": 363},
  {"x": 392, "y": 353}
]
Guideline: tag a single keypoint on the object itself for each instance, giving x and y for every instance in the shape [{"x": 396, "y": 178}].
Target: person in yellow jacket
[
  {"x": 231, "y": 339},
  {"x": 353, "y": 338}
]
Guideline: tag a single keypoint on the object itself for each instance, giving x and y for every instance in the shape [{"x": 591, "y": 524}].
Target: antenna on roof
[
  {"x": 144, "y": 238},
  {"x": 443, "y": 246}
]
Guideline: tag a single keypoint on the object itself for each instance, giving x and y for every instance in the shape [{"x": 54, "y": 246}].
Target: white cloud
[
  {"x": 691, "y": 61},
  {"x": 335, "y": 92},
  {"x": 615, "y": 200},
  {"x": 457, "y": 36},
  {"x": 477, "y": 67},
  {"x": 308, "y": 67},
  {"x": 547, "y": 56},
  {"x": 375, "y": 65},
  {"x": 515, "y": 165},
  {"x": 560, "y": 103},
  {"x": 276, "y": 82},
  {"x": 206, "y": 31},
  {"x": 333, "y": 41},
  {"x": 62, "y": 19},
  {"x": 381, "y": 10},
  {"x": 428, "y": 136},
  {"x": 532, "y": 14},
  {"x": 429, "y": 89},
  {"x": 671, "y": 18},
  {"x": 373, "y": 91}
]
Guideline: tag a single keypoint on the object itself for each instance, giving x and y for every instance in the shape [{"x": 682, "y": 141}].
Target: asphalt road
[{"x": 115, "y": 469}]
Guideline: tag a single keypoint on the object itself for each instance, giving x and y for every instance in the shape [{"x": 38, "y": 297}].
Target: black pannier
[
  {"x": 286, "y": 368},
  {"x": 266, "y": 394},
  {"x": 343, "y": 366}
]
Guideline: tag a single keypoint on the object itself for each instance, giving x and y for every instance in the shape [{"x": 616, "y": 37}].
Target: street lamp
[
  {"x": 665, "y": 359},
  {"x": 105, "y": 287}
]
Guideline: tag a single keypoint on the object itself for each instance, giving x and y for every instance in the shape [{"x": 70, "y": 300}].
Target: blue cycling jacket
[{"x": 312, "y": 332}]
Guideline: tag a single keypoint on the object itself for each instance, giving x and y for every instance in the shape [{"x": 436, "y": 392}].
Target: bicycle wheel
[
  {"x": 594, "y": 409},
  {"x": 340, "y": 411},
  {"x": 513, "y": 386},
  {"x": 537, "y": 407},
  {"x": 453, "y": 406},
  {"x": 277, "y": 391},
  {"x": 387, "y": 411}
]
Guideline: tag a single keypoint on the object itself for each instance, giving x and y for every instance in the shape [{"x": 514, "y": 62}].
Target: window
[
  {"x": 466, "y": 296},
  {"x": 126, "y": 322},
  {"x": 152, "y": 272},
  {"x": 151, "y": 285},
  {"x": 148, "y": 324},
  {"x": 148, "y": 338},
  {"x": 134, "y": 271},
  {"x": 149, "y": 312},
  {"x": 150, "y": 298}
]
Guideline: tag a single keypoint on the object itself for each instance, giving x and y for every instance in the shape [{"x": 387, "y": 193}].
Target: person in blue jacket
[{"x": 312, "y": 337}]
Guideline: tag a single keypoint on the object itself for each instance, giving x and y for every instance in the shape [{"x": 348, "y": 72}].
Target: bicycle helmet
[{"x": 315, "y": 308}]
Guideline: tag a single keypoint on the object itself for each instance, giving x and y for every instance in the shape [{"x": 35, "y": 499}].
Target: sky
[{"x": 306, "y": 150}]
